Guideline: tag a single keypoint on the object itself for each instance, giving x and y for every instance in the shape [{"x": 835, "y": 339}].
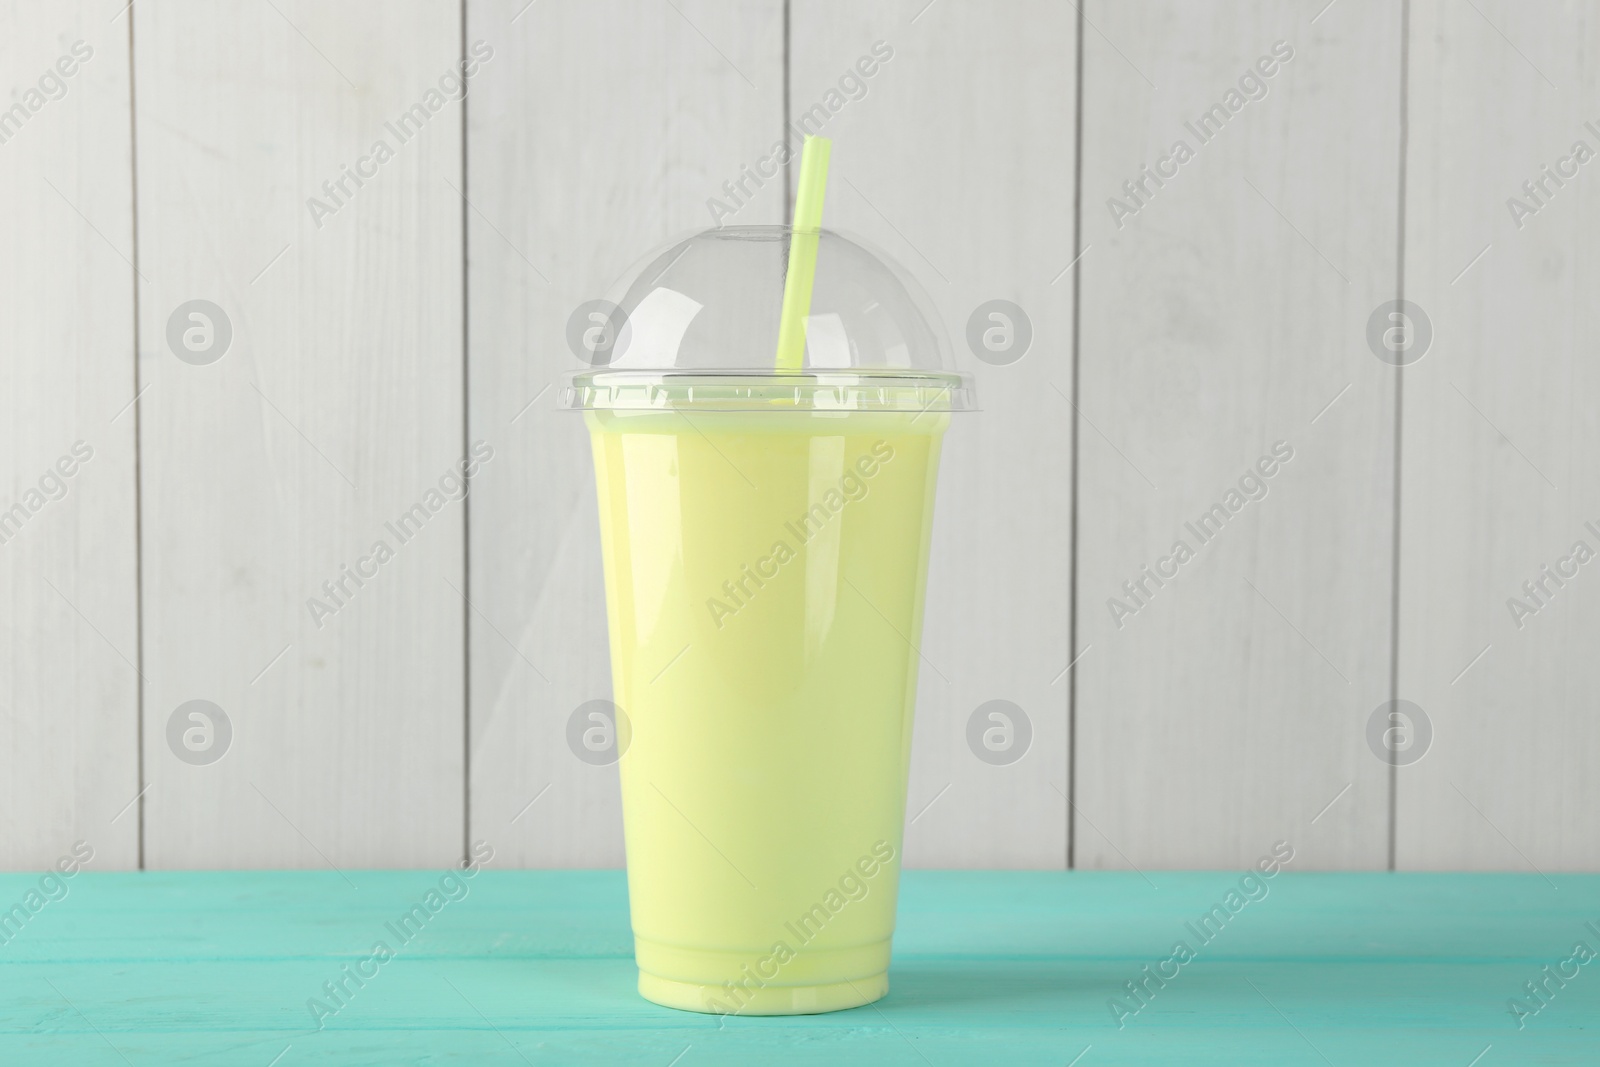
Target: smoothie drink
[
  {"x": 764, "y": 588},
  {"x": 766, "y": 437}
]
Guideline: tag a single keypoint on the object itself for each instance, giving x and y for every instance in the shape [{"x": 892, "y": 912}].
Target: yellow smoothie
[{"x": 765, "y": 575}]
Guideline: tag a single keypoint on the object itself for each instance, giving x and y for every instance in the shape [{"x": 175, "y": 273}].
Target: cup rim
[{"x": 813, "y": 389}]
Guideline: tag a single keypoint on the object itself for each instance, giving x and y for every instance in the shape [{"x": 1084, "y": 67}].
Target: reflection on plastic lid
[
  {"x": 827, "y": 343},
  {"x": 656, "y": 327}
]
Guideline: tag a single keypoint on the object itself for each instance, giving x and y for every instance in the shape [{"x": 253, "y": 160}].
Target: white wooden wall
[
  {"x": 422, "y": 314},
  {"x": 1221, "y": 319}
]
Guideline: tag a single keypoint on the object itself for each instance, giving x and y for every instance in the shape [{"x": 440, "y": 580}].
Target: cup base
[{"x": 768, "y": 1000}]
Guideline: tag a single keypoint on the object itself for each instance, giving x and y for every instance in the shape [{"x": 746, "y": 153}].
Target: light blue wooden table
[{"x": 992, "y": 968}]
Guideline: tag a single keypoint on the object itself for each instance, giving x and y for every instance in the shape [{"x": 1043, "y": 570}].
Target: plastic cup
[{"x": 765, "y": 538}]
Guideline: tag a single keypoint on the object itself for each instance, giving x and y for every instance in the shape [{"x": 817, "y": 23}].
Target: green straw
[{"x": 803, "y": 252}]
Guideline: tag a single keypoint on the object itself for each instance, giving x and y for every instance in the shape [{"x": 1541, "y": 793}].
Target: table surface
[{"x": 989, "y": 967}]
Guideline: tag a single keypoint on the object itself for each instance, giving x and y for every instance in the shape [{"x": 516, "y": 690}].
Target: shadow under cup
[{"x": 765, "y": 575}]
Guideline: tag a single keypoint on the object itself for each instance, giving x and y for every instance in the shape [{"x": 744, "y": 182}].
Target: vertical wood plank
[
  {"x": 956, "y": 157},
  {"x": 1224, "y": 311},
  {"x": 1499, "y": 433},
  {"x": 68, "y": 583},
  {"x": 335, "y": 410},
  {"x": 602, "y": 132}
]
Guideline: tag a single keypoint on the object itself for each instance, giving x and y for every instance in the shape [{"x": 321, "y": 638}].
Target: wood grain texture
[
  {"x": 1009, "y": 967},
  {"x": 602, "y": 132},
  {"x": 335, "y": 410},
  {"x": 69, "y": 645},
  {"x": 1500, "y": 431},
  {"x": 966, "y": 180},
  {"x": 1223, "y": 312},
  {"x": 1226, "y": 309}
]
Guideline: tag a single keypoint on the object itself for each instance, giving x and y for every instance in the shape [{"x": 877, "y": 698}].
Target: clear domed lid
[{"x": 697, "y": 324}]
